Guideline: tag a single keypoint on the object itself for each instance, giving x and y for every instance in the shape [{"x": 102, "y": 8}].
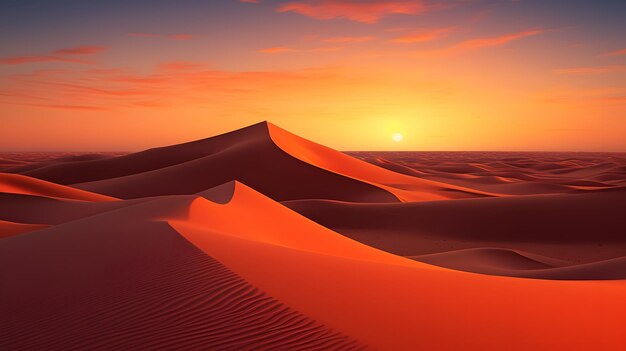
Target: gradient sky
[{"x": 448, "y": 74}]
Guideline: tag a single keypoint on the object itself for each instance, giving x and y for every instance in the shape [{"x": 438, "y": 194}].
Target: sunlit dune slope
[
  {"x": 404, "y": 187},
  {"x": 393, "y": 303}
]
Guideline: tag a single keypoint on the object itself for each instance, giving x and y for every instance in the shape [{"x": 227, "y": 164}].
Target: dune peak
[{"x": 221, "y": 194}]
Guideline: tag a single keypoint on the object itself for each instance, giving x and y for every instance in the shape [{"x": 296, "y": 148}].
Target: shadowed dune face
[
  {"x": 187, "y": 246},
  {"x": 577, "y": 228},
  {"x": 18, "y": 184}
]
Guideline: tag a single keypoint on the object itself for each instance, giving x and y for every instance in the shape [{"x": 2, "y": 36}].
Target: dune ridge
[
  {"x": 19, "y": 184},
  {"x": 286, "y": 159}
]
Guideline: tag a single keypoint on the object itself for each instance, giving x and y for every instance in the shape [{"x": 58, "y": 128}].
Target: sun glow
[{"x": 397, "y": 137}]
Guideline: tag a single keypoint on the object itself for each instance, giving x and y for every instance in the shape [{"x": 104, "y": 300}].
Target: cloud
[
  {"x": 603, "y": 96},
  {"x": 616, "y": 53},
  {"x": 422, "y": 35},
  {"x": 70, "y": 107},
  {"x": 359, "y": 11},
  {"x": 143, "y": 35},
  {"x": 59, "y": 55},
  {"x": 276, "y": 50},
  {"x": 283, "y": 49},
  {"x": 480, "y": 43},
  {"x": 324, "y": 49},
  {"x": 19, "y": 60},
  {"x": 170, "y": 84},
  {"x": 592, "y": 70},
  {"x": 180, "y": 66},
  {"x": 81, "y": 50},
  {"x": 251, "y": 1},
  {"x": 180, "y": 36},
  {"x": 349, "y": 39}
]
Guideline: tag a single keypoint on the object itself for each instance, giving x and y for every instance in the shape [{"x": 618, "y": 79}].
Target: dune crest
[
  {"x": 8, "y": 229},
  {"x": 404, "y": 187},
  {"x": 262, "y": 155},
  {"x": 19, "y": 184}
]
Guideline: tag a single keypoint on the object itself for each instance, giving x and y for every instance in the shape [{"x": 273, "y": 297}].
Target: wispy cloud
[
  {"x": 143, "y": 35},
  {"x": 179, "y": 36},
  {"x": 479, "y": 43},
  {"x": 349, "y": 39},
  {"x": 180, "y": 66},
  {"x": 60, "y": 55},
  {"x": 615, "y": 53},
  {"x": 81, "y": 50},
  {"x": 592, "y": 70},
  {"x": 422, "y": 35},
  {"x": 170, "y": 84},
  {"x": 70, "y": 107},
  {"x": 578, "y": 96},
  {"x": 285, "y": 49},
  {"x": 276, "y": 50},
  {"x": 19, "y": 60},
  {"x": 358, "y": 11}
]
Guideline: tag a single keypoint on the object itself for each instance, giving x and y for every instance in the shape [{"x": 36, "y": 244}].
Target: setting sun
[{"x": 397, "y": 137}]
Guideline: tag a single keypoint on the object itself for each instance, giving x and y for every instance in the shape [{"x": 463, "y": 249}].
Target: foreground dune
[
  {"x": 125, "y": 280},
  {"x": 400, "y": 304}
]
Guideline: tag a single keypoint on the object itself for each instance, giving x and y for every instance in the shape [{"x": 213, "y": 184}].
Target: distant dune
[{"x": 259, "y": 239}]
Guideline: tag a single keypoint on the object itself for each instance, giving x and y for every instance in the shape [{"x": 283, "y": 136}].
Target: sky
[{"x": 466, "y": 75}]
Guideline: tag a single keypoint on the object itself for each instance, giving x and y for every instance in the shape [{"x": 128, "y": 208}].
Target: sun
[{"x": 397, "y": 137}]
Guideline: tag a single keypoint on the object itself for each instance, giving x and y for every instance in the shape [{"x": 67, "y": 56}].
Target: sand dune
[
  {"x": 264, "y": 156},
  {"x": 261, "y": 240},
  {"x": 579, "y": 228},
  {"x": 18, "y": 184},
  {"x": 329, "y": 286},
  {"x": 522, "y": 264},
  {"x": 124, "y": 279},
  {"x": 248, "y": 155},
  {"x": 45, "y": 210},
  {"x": 8, "y": 228},
  {"x": 526, "y": 173}
]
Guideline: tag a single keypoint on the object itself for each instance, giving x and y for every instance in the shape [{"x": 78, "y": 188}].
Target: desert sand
[{"x": 259, "y": 239}]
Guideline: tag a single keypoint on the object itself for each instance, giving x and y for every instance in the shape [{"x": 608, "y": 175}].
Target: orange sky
[{"x": 448, "y": 75}]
